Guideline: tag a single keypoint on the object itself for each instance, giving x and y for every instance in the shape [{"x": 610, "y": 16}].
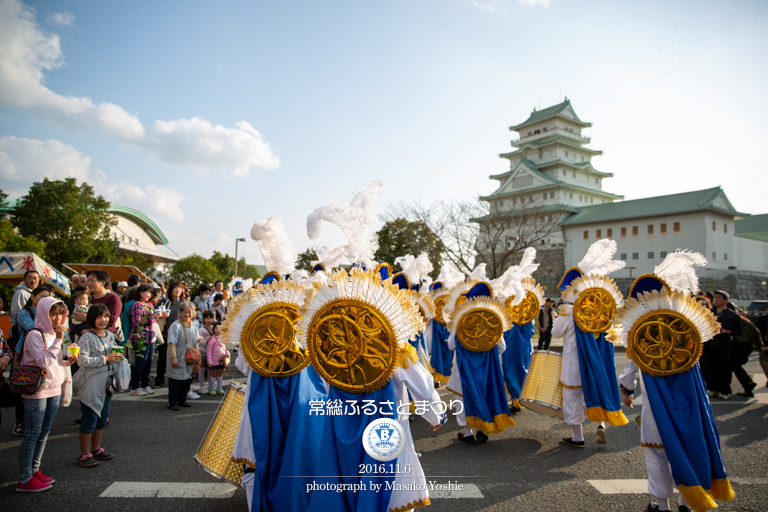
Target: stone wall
[{"x": 550, "y": 271}]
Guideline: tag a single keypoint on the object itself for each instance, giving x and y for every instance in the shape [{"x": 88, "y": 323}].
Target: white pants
[
  {"x": 573, "y": 408},
  {"x": 660, "y": 481},
  {"x": 247, "y": 484}
]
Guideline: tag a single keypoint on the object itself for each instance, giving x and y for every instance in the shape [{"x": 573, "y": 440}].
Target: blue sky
[{"x": 210, "y": 116}]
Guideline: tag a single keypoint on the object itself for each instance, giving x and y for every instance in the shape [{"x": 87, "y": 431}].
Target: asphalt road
[{"x": 523, "y": 468}]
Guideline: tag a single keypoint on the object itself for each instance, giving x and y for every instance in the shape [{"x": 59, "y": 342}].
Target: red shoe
[
  {"x": 43, "y": 478},
  {"x": 33, "y": 485}
]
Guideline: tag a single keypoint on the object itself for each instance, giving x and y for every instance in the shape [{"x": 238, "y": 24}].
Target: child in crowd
[
  {"x": 206, "y": 331},
  {"x": 218, "y": 359},
  {"x": 94, "y": 384},
  {"x": 80, "y": 300},
  {"x": 181, "y": 335},
  {"x": 157, "y": 327},
  {"x": 219, "y": 310}
]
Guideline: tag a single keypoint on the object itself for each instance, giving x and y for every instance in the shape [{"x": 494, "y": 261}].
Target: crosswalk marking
[
  {"x": 637, "y": 486},
  {"x": 168, "y": 490},
  {"x": 468, "y": 491}
]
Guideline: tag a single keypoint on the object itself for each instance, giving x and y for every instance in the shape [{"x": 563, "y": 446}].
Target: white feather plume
[
  {"x": 415, "y": 268},
  {"x": 508, "y": 285},
  {"x": 678, "y": 270},
  {"x": 355, "y": 221},
  {"x": 449, "y": 276},
  {"x": 478, "y": 274},
  {"x": 275, "y": 245},
  {"x": 599, "y": 258}
]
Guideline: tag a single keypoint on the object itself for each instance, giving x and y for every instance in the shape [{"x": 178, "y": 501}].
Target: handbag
[
  {"x": 191, "y": 355},
  {"x": 27, "y": 379}
]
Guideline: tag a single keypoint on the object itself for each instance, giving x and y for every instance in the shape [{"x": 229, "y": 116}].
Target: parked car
[{"x": 756, "y": 309}]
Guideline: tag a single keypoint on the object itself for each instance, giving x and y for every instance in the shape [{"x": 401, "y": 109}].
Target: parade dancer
[
  {"x": 436, "y": 334},
  {"x": 664, "y": 329},
  {"x": 414, "y": 269},
  {"x": 280, "y": 386},
  {"x": 589, "y": 369}
]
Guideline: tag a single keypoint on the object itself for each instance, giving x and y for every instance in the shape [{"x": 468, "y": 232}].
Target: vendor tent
[
  {"x": 13, "y": 265},
  {"x": 116, "y": 272}
]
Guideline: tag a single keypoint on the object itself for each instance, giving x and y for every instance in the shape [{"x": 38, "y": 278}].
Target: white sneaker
[
  {"x": 139, "y": 392},
  {"x": 148, "y": 390},
  {"x": 203, "y": 390},
  {"x": 192, "y": 395}
]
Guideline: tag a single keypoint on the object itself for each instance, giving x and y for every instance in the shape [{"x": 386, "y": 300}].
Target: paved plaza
[{"x": 524, "y": 468}]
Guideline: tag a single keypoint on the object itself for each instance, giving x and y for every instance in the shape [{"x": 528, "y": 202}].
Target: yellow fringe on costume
[
  {"x": 440, "y": 378},
  {"x": 697, "y": 497},
  {"x": 408, "y": 356},
  {"x": 722, "y": 490},
  {"x": 615, "y": 418},
  {"x": 570, "y": 387},
  {"x": 412, "y": 505},
  {"x": 516, "y": 403},
  {"x": 452, "y": 391},
  {"x": 500, "y": 423}
]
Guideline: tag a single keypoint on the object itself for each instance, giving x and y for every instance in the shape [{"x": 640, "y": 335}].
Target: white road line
[
  {"x": 468, "y": 491},
  {"x": 168, "y": 490},
  {"x": 749, "y": 481},
  {"x": 620, "y": 486}
]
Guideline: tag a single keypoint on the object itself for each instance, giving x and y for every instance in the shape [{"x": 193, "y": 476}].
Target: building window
[
  {"x": 122, "y": 238},
  {"x": 676, "y": 227},
  {"x": 662, "y": 228},
  {"x": 650, "y": 229},
  {"x": 635, "y": 230},
  {"x": 551, "y": 195},
  {"x": 599, "y": 233},
  {"x": 714, "y": 255},
  {"x": 623, "y": 231},
  {"x": 574, "y": 174},
  {"x": 565, "y": 173},
  {"x": 609, "y": 233},
  {"x": 549, "y": 218},
  {"x": 544, "y": 129},
  {"x": 725, "y": 256},
  {"x": 570, "y": 194},
  {"x": 591, "y": 200},
  {"x": 545, "y": 196},
  {"x": 714, "y": 226},
  {"x": 635, "y": 255},
  {"x": 725, "y": 227},
  {"x": 580, "y": 197},
  {"x": 623, "y": 256},
  {"x": 582, "y": 158},
  {"x": 586, "y": 234},
  {"x": 663, "y": 254},
  {"x": 530, "y": 133},
  {"x": 566, "y": 154},
  {"x": 650, "y": 255},
  {"x": 541, "y": 155},
  {"x": 597, "y": 181}
]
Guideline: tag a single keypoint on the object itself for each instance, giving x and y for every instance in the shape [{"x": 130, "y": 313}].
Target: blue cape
[
  {"x": 279, "y": 413},
  {"x": 441, "y": 357},
  {"x": 342, "y": 452},
  {"x": 687, "y": 428},
  {"x": 598, "y": 378},
  {"x": 517, "y": 357},
  {"x": 482, "y": 384}
]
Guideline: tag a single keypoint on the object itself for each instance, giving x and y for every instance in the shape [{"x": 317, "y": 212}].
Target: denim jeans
[
  {"x": 142, "y": 366},
  {"x": 38, "y": 418},
  {"x": 91, "y": 421}
]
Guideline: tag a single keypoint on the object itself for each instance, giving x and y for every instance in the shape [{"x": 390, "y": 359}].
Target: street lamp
[{"x": 236, "y": 242}]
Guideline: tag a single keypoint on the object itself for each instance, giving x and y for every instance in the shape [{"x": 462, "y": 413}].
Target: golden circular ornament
[
  {"x": 352, "y": 346},
  {"x": 525, "y": 312},
  {"x": 439, "y": 303},
  {"x": 664, "y": 342},
  {"x": 268, "y": 341},
  {"x": 479, "y": 330},
  {"x": 593, "y": 310}
]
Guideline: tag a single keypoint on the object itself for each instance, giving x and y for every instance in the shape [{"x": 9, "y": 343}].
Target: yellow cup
[{"x": 73, "y": 350}]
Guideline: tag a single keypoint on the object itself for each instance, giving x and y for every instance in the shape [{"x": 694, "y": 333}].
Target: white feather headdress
[
  {"x": 275, "y": 245},
  {"x": 510, "y": 283},
  {"x": 331, "y": 258},
  {"x": 415, "y": 268},
  {"x": 355, "y": 220},
  {"x": 450, "y": 277},
  {"x": 678, "y": 270},
  {"x": 599, "y": 259}
]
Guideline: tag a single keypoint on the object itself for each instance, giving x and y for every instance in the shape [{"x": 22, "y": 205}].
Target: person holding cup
[{"x": 97, "y": 359}]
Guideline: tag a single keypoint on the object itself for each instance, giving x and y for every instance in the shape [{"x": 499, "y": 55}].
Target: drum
[
  {"x": 215, "y": 452},
  {"x": 542, "y": 391}
]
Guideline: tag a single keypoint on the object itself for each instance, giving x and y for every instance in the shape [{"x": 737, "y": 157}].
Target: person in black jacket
[
  {"x": 743, "y": 345},
  {"x": 545, "y": 325},
  {"x": 716, "y": 357},
  {"x": 762, "y": 326}
]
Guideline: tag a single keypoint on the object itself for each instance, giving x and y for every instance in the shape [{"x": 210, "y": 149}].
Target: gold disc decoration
[
  {"x": 525, "y": 312},
  {"x": 593, "y": 310},
  {"x": 479, "y": 330},
  {"x": 439, "y": 303},
  {"x": 663, "y": 342},
  {"x": 268, "y": 341},
  {"x": 352, "y": 346}
]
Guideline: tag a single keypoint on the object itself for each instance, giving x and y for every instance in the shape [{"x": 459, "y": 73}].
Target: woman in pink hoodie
[{"x": 42, "y": 348}]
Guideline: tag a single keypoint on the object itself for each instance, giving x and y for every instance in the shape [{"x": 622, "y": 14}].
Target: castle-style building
[{"x": 551, "y": 171}]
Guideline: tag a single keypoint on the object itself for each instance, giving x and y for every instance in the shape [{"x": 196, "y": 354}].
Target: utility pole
[{"x": 236, "y": 242}]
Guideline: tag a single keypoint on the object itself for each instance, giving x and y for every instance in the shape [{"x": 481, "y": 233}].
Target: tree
[
  {"x": 10, "y": 241},
  {"x": 226, "y": 267},
  {"x": 401, "y": 236},
  {"x": 70, "y": 220},
  {"x": 474, "y": 231},
  {"x": 139, "y": 261},
  {"x": 305, "y": 259},
  {"x": 194, "y": 270}
]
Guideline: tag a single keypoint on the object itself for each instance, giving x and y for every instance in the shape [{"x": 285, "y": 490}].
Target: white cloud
[
  {"x": 62, "y": 19},
  {"x": 25, "y": 161},
  {"x": 26, "y": 53}
]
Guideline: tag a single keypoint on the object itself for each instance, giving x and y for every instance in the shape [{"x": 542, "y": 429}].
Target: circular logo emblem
[
  {"x": 268, "y": 342},
  {"x": 663, "y": 342},
  {"x": 593, "y": 310},
  {"x": 439, "y": 303},
  {"x": 479, "y": 330},
  {"x": 384, "y": 439},
  {"x": 525, "y": 312}
]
